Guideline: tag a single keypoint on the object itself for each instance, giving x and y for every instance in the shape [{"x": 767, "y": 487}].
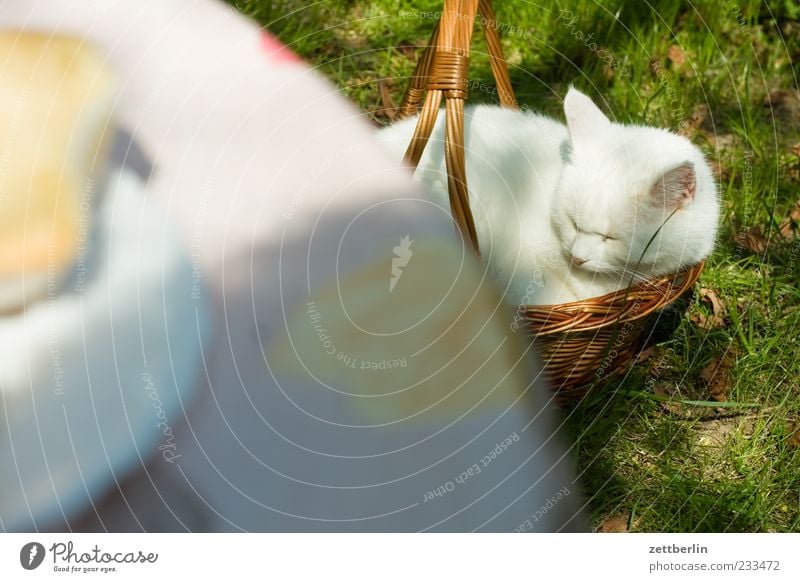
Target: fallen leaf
[
  {"x": 794, "y": 437},
  {"x": 789, "y": 225},
  {"x": 718, "y": 307},
  {"x": 715, "y": 305},
  {"x": 645, "y": 355},
  {"x": 787, "y": 228},
  {"x": 752, "y": 239},
  {"x": 676, "y": 55},
  {"x": 701, "y": 321},
  {"x": 716, "y": 375},
  {"x": 615, "y": 524},
  {"x": 794, "y": 213}
]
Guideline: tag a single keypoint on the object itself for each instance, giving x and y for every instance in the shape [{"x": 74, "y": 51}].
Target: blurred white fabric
[
  {"x": 332, "y": 399},
  {"x": 89, "y": 374}
]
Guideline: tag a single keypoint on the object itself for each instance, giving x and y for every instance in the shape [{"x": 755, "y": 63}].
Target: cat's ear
[
  {"x": 675, "y": 187},
  {"x": 584, "y": 118}
]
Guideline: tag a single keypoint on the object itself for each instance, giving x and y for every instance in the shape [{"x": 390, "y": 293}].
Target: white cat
[{"x": 569, "y": 212}]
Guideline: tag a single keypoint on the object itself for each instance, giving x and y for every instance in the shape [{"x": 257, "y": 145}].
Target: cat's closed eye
[{"x": 606, "y": 237}]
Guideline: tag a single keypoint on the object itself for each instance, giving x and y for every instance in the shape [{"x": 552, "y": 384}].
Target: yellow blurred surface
[{"x": 56, "y": 95}]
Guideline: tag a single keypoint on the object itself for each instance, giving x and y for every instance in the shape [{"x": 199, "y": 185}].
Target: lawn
[{"x": 723, "y": 454}]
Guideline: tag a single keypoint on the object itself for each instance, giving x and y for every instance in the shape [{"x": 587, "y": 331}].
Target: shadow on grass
[{"x": 639, "y": 460}]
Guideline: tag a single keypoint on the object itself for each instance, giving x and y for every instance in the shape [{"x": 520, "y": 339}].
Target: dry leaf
[
  {"x": 645, "y": 355},
  {"x": 789, "y": 225},
  {"x": 676, "y": 55},
  {"x": 794, "y": 437},
  {"x": 795, "y": 149},
  {"x": 615, "y": 524},
  {"x": 788, "y": 228},
  {"x": 715, "y": 305},
  {"x": 716, "y": 375},
  {"x": 794, "y": 213},
  {"x": 752, "y": 239}
]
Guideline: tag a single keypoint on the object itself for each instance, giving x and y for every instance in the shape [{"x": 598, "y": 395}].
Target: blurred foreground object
[
  {"x": 365, "y": 377},
  {"x": 94, "y": 353}
]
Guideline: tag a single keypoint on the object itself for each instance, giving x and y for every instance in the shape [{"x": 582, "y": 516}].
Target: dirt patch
[
  {"x": 782, "y": 107},
  {"x": 716, "y": 433}
]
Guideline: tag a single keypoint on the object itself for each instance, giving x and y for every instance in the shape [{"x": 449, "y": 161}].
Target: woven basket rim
[{"x": 613, "y": 308}]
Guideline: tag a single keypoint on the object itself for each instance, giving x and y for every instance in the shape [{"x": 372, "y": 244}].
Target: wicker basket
[
  {"x": 581, "y": 341},
  {"x": 588, "y": 340}
]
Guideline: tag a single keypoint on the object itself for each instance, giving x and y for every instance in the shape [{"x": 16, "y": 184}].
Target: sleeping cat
[{"x": 569, "y": 212}]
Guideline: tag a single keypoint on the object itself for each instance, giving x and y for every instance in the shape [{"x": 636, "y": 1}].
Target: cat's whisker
[
  {"x": 631, "y": 275},
  {"x": 632, "y": 271}
]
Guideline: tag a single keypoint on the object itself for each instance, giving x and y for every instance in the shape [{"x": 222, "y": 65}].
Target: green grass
[{"x": 667, "y": 467}]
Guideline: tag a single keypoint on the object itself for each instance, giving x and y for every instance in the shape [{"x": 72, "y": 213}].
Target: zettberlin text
[{"x": 673, "y": 549}]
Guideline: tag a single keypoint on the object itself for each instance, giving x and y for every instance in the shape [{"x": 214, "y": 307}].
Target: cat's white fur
[{"x": 565, "y": 212}]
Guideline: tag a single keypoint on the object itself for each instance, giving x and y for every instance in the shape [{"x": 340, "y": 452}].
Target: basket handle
[
  {"x": 442, "y": 72},
  {"x": 499, "y": 66}
]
